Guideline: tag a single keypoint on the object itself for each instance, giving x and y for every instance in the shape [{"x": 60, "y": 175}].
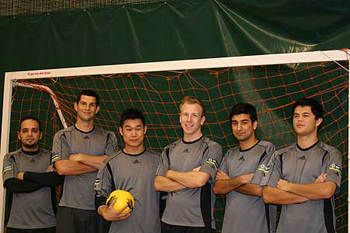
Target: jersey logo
[
  {"x": 7, "y": 168},
  {"x": 264, "y": 168},
  {"x": 55, "y": 157},
  {"x": 212, "y": 162},
  {"x": 336, "y": 169}
]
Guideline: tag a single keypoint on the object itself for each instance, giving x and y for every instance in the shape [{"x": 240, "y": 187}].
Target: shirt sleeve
[
  {"x": 273, "y": 171},
  {"x": 211, "y": 160},
  {"x": 104, "y": 181},
  {"x": 60, "y": 148},
  {"x": 163, "y": 166},
  {"x": 263, "y": 166},
  {"x": 223, "y": 166},
  {"x": 334, "y": 167},
  {"x": 112, "y": 144},
  {"x": 9, "y": 169}
]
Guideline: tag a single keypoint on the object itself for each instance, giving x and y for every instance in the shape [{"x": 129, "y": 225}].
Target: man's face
[
  {"x": 191, "y": 119},
  {"x": 304, "y": 121},
  {"x": 133, "y": 132},
  {"x": 242, "y": 127},
  {"x": 86, "y": 108},
  {"x": 29, "y": 135}
]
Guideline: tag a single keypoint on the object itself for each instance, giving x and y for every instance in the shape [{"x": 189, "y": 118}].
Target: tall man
[
  {"x": 30, "y": 181},
  {"x": 304, "y": 176},
  {"x": 187, "y": 173},
  {"x": 80, "y": 150},
  {"x": 132, "y": 169},
  {"x": 240, "y": 174}
]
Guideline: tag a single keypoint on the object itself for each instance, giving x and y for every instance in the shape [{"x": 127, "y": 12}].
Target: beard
[{"x": 30, "y": 146}]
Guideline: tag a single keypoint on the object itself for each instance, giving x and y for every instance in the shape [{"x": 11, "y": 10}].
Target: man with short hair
[
  {"x": 304, "y": 176},
  {"x": 131, "y": 169},
  {"x": 80, "y": 150},
  {"x": 30, "y": 181},
  {"x": 240, "y": 174},
  {"x": 187, "y": 173}
]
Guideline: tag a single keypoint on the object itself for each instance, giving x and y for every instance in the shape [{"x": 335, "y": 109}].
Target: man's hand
[
  {"x": 20, "y": 175},
  {"x": 196, "y": 169},
  {"x": 110, "y": 214},
  {"x": 76, "y": 157},
  {"x": 321, "y": 178},
  {"x": 220, "y": 175},
  {"x": 49, "y": 169},
  {"x": 283, "y": 185}
]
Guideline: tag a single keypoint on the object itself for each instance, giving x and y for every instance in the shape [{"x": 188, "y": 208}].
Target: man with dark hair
[
  {"x": 79, "y": 151},
  {"x": 30, "y": 182},
  {"x": 304, "y": 176},
  {"x": 240, "y": 174},
  {"x": 187, "y": 173},
  {"x": 132, "y": 169}
]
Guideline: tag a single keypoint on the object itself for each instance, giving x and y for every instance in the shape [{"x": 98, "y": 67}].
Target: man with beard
[{"x": 30, "y": 180}]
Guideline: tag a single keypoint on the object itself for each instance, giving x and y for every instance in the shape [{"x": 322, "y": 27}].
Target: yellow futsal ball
[{"x": 122, "y": 198}]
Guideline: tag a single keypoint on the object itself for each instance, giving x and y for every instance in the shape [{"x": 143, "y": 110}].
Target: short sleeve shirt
[
  {"x": 133, "y": 173},
  {"x": 30, "y": 210},
  {"x": 303, "y": 166},
  {"x": 240, "y": 208},
  {"x": 184, "y": 207},
  {"x": 78, "y": 189}
]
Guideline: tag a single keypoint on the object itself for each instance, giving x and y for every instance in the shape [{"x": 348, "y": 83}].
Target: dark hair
[
  {"x": 316, "y": 107},
  {"x": 89, "y": 93},
  {"x": 131, "y": 114},
  {"x": 193, "y": 100},
  {"x": 29, "y": 118},
  {"x": 244, "y": 108}
]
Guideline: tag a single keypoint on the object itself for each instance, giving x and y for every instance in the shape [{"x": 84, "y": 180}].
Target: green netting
[{"x": 272, "y": 89}]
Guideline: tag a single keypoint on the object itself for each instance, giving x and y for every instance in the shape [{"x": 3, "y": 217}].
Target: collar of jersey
[
  {"x": 193, "y": 141},
  {"x": 135, "y": 154},
  {"x": 31, "y": 152},
  {"x": 240, "y": 150},
  {"x": 84, "y": 131},
  {"x": 310, "y": 147}
]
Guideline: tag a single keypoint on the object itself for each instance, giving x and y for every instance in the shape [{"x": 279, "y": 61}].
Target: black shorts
[
  {"x": 166, "y": 228},
  {"x": 42, "y": 230},
  {"x": 71, "y": 220}
]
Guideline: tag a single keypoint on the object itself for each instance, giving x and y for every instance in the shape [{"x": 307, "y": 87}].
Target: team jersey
[
  {"x": 133, "y": 173},
  {"x": 32, "y": 210},
  {"x": 192, "y": 207},
  {"x": 241, "y": 209},
  {"x": 303, "y": 166},
  {"x": 78, "y": 190}
]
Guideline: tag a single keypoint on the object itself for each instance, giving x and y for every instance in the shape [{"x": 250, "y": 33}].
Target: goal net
[{"x": 270, "y": 82}]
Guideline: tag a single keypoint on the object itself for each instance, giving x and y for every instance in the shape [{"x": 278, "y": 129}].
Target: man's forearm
[
  {"x": 226, "y": 185},
  {"x": 274, "y": 195},
  {"x": 92, "y": 161},
  {"x": 190, "y": 179},
  {"x": 164, "y": 184},
  {"x": 313, "y": 191},
  {"x": 250, "y": 189},
  {"x": 46, "y": 179},
  {"x": 71, "y": 168}
]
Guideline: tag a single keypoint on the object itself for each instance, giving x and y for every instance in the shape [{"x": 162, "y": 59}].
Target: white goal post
[{"x": 12, "y": 77}]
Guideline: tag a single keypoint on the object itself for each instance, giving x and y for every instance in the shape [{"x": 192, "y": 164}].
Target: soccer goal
[{"x": 270, "y": 82}]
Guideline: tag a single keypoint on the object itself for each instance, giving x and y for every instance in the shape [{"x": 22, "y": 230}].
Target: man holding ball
[{"x": 131, "y": 169}]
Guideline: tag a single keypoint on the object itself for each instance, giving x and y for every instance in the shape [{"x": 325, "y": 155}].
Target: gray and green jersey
[
  {"x": 303, "y": 166},
  {"x": 191, "y": 207},
  {"x": 242, "y": 209},
  {"x": 32, "y": 210},
  {"x": 135, "y": 174},
  {"x": 78, "y": 190}
]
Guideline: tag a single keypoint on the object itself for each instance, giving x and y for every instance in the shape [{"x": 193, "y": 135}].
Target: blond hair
[{"x": 192, "y": 100}]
